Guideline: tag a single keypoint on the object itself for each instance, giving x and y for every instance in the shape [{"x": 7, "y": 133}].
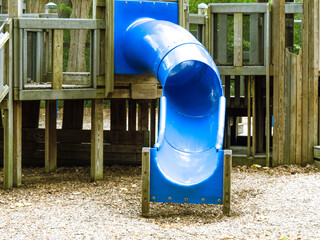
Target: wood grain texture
[
  {"x": 96, "y": 172},
  {"x": 238, "y": 37},
  {"x": 50, "y": 137},
  {"x": 57, "y": 59},
  {"x": 227, "y": 168},
  {"x": 145, "y": 201}
]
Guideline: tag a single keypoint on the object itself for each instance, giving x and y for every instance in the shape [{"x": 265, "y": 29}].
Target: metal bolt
[
  {"x": 169, "y": 198},
  {"x": 125, "y": 2},
  {"x": 186, "y": 199},
  {"x": 166, "y": 4},
  {"x": 154, "y": 3},
  {"x": 153, "y": 198},
  {"x": 202, "y": 199},
  {"x": 219, "y": 200},
  {"x": 140, "y": 2}
]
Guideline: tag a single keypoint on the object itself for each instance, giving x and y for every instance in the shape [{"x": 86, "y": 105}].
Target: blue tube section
[{"x": 192, "y": 109}]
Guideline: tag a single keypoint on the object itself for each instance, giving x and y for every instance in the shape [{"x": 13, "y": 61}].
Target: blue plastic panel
[
  {"x": 209, "y": 190},
  {"x": 126, "y": 12}
]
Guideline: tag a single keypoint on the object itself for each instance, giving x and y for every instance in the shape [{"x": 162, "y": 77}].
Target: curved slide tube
[{"x": 192, "y": 109}]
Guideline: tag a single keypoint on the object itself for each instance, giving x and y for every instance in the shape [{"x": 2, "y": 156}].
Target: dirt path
[{"x": 280, "y": 203}]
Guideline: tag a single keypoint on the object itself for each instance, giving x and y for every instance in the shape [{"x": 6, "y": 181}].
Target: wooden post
[
  {"x": 17, "y": 143},
  {"x": 57, "y": 59},
  {"x": 145, "y": 182},
  {"x": 97, "y": 139},
  {"x": 278, "y": 52},
  {"x": 50, "y": 137},
  {"x": 11, "y": 162},
  {"x": 227, "y": 168}
]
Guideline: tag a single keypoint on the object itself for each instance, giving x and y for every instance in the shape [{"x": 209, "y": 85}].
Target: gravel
[{"x": 278, "y": 203}]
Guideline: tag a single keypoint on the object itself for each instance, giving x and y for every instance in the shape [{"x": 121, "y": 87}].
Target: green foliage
[{"x": 64, "y": 9}]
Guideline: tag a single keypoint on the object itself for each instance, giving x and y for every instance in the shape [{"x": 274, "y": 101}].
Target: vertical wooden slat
[
  {"x": 227, "y": 168},
  {"x": 132, "y": 115},
  {"x": 145, "y": 182},
  {"x": 237, "y": 91},
  {"x": 249, "y": 119},
  {"x": 50, "y": 137},
  {"x": 222, "y": 39},
  {"x": 278, "y": 41},
  {"x": 299, "y": 111},
  {"x": 293, "y": 109},
  {"x": 313, "y": 60},
  {"x": 96, "y": 172},
  {"x": 109, "y": 49},
  {"x": 267, "y": 64},
  {"x": 238, "y": 31},
  {"x": 118, "y": 114},
  {"x": 73, "y": 114},
  {"x": 143, "y": 115},
  {"x": 287, "y": 108},
  {"x": 153, "y": 122},
  {"x": 254, "y": 117},
  {"x": 57, "y": 59},
  {"x": 254, "y": 39}
]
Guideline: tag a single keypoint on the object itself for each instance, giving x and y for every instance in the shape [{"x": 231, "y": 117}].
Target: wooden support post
[
  {"x": 8, "y": 148},
  {"x": 153, "y": 122},
  {"x": 50, "y": 137},
  {"x": 11, "y": 162},
  {"x": 145, "y": 182},
  {"x": 227, "y": 169},
  {"x": 97, "y": 139},
  {"x": 57, "y": 59},
  {"x": 222, "y": 39},
  {"x": 109, "y": 48},
  {"x": 238, "y": 26},
  {"x": 17, "y": 143},
  {"x": 278, "y": 52}
]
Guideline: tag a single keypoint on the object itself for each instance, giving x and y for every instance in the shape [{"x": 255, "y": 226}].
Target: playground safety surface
[{"x": 279, "y": 203}]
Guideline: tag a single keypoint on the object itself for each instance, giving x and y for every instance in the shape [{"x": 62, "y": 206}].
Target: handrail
[
  {"x": 61, "y": 23},
  {"x": 231, "y": 8}
]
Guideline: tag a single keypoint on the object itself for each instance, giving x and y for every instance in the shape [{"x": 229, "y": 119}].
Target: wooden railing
[{"x": 4, "y": 55}]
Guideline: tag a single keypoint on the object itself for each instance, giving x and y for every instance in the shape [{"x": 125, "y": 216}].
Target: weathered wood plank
[
  {"x": 109, "y": 48},
  {"x": 293, "y": 109},
  {"x": 96, "y": 172},
  {"x": 143, "y": 117},
  {"x": 50, "y": 137},
  {"x": 144, "y": 91},
  {"x": 254, "y": 39},
  {"x": 17, "y": 143},
  {"x": 238, "y": 32},
  {"x": 222, "y": 39},
  {"x": 242, "y": 71},
  {"x": 73, "y": 114},
  {"x": 299, "y": 111},
  {"x": 239, "y": 8},
  {"x": 118, "y": 114},
  {"x": 145, "y": 201},
  {"x": 196, "y": 19},
  {"x": 132, "y": 120},
  {"x": 278, "y": 40},
  {"x": 58, "y": 23},
  {"x": 57, "y": 59},
  {"x": 227, "y": 168}
]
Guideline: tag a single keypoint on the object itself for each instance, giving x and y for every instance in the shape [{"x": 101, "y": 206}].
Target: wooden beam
[
  {"x": 96, "y": 140},
  {"x": 145, "y": 182}
]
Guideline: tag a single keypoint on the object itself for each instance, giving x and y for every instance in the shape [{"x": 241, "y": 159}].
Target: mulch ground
[{"x": 278, "y": 203}]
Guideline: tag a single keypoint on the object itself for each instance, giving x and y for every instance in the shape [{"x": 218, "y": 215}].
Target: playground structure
[{"x": 262, "y": 82}]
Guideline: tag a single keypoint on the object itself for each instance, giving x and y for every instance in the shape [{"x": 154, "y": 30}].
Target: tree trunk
[
  {"x": 73, "y": 109},
  {"x": 35, "y": 6},
  {"x": 77, "y": 60}
]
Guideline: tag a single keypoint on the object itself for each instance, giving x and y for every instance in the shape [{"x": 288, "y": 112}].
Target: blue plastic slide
[{"x": 186, "y": 163}]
